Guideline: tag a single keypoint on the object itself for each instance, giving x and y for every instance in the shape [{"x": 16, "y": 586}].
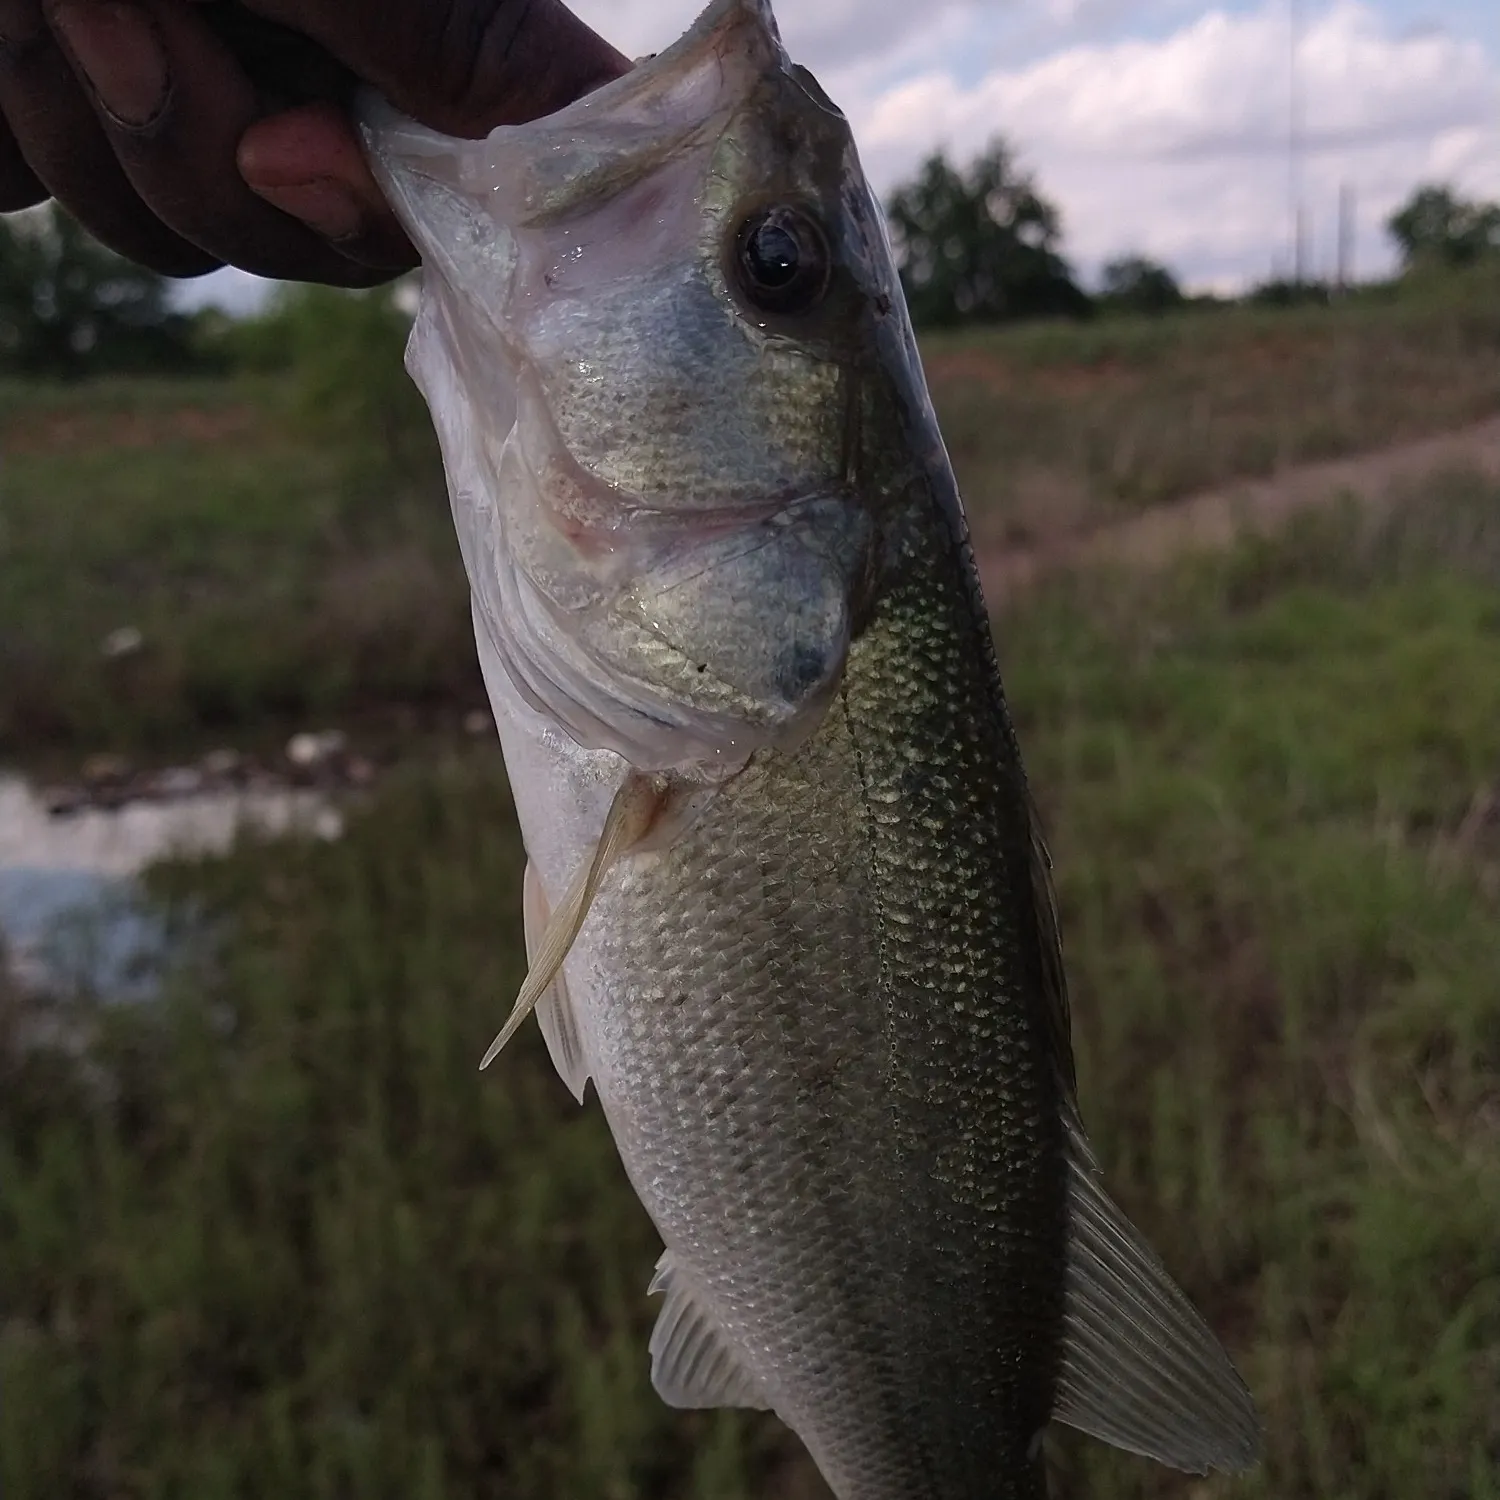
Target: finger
[
  {"x": 19, "y": 187},
  {"x": 286, "y": 67},
  {"x": 177, "y": 141},
  {"x": 64, "y": 148},
  {"x": 476, "y": 63},
  {"x": 296, "y": 158}
]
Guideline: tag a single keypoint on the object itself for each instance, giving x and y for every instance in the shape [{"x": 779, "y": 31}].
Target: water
[{"x": 69, "y": 907}]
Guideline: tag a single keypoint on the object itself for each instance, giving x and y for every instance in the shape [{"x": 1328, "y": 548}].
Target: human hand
[{"x": 188, "y": 134}]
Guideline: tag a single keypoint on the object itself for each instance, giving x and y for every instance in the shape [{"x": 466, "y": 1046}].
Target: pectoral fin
[
  {"x": 554, "y": 1011},
  {"x": 631, "y": 815},
  {"x": 1140, "y": 1368}
]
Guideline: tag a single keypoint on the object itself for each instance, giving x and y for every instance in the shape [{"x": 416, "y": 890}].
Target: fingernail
[
  {"x": 326, "y": 207},
  {"x": 119, "y": 52}
]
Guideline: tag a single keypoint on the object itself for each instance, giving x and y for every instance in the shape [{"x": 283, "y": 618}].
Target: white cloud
[
  {"x": 1178, "y": 146},
  {"x": 1175, "y": 146},
  {"x": 819, "y": 33}
]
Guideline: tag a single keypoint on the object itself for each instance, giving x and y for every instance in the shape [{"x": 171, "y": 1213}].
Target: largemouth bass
[{"x": 786, "y": 904}]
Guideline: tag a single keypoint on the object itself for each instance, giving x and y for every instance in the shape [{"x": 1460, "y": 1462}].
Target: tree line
[
  {"x": 69, "y": 307},
  {"x": 978, "y": 243}
]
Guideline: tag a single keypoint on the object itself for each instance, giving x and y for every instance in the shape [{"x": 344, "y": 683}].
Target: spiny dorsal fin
[
  {"x": 554, "y": 1011},
  {"x": 630, "y": 817},
  {"x": 1140, "y": 1368},
  {"x": 693, "y": 1363}
]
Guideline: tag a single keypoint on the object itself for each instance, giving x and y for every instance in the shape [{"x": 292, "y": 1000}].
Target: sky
[{"x": 1157, "y": 127}]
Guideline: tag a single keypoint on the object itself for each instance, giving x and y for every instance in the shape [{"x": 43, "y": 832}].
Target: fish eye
[{"x": 782, "y": 260}]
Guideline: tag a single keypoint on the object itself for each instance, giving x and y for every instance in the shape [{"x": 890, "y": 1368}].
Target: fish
[{"x": 787, "y": 904}]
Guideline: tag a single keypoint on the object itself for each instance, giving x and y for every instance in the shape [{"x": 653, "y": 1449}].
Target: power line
[{"x": 1294, "y": 141}]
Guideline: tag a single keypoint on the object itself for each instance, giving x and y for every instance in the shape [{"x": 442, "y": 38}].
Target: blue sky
[{"x": 1157, "y": 126}]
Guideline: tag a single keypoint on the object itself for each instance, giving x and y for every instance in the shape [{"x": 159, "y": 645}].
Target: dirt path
[{"x": 1215, "y": 518}]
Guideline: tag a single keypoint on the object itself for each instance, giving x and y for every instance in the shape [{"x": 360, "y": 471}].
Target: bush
[
  {"x": 1138, "y": 285},
  {"x": 69, "y": 307},
  {"x": 341, "y": 381}
]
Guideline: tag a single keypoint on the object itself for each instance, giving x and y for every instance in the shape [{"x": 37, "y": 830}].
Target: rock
[
  {"x": 178, "y": 781},
  {"x": 106, "y": 770},
  {"x": 308, "y": 750},
  {"x": 125, "y": 641},
  {"x": 359, "y": 770},
  {"x": 223, "y": 765},
  {"x": 328, "y": 824},
  {"x": 303, "y": 750}
]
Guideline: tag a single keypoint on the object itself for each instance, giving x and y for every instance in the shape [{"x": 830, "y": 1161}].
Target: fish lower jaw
[
  {"x": 599, "y": 709},
  {"x": 714, "y": 649}
]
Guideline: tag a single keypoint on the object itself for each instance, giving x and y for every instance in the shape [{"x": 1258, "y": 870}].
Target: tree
[
  {"x": 336, "y": 356},
  {"x": 980, "y": 244},
  {"x": 1134, "y": 284},
  {"x": 1435, "y": 227},
  {"x": 69, "y": 307}
]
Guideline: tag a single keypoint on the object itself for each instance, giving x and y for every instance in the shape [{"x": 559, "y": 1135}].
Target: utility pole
[
  {"x": 1294, "y": 140},
  {"x": 1346, "y": 238}
]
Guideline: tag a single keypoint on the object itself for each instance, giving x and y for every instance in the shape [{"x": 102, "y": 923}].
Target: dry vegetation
[{"x": 1059, "y": 428}]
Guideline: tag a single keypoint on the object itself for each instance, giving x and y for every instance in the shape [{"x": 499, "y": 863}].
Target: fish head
[{"x": 664, "y": 342}]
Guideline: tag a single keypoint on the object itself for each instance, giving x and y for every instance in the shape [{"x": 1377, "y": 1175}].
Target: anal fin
[
  {"x": 554, "y": 1011},
  {"x": 1140, "y": 1368},
  {"x": 693, "y": 1363}
]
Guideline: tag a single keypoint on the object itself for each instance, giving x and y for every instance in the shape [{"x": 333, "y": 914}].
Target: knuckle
[{"x": 483, "y": 42}]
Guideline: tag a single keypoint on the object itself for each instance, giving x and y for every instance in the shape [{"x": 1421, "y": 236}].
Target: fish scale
[
  {"x": 786, "y": 904},
  {"x": 771, "y": 986}
]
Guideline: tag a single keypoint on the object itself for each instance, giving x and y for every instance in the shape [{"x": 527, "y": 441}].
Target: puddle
[
  {"x": 68, "y": 912},
  {"x": 120, "y": 842}
]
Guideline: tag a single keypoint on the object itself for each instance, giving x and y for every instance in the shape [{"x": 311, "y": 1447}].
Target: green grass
[
  {"x": 1052, "y": 426},
  {"x": 254, "y": 531},
  {"x": 281, "y": 1238},
  {"x": 276, "y": 578},
  {"x": 105, "y": 402},
  {"x": 286, "y": 1240},
  {"x": 1274, "y": 795}
]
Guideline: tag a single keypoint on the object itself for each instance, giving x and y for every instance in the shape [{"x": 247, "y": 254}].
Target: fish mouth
[{"x": 733, "y": 32}]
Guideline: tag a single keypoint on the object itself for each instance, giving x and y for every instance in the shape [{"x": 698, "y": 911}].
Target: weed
[
  {"x": 284, "y": 1239},
  {"x": 1050, "y": 423}
]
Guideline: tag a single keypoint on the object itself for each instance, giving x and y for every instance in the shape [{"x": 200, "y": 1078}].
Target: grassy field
[
  {"x": 280, "y": 1238},
  {"x": 287, "y": 562},
  {"x": 1057, "y": 426},
  {"x": 273, "y": 579}
]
